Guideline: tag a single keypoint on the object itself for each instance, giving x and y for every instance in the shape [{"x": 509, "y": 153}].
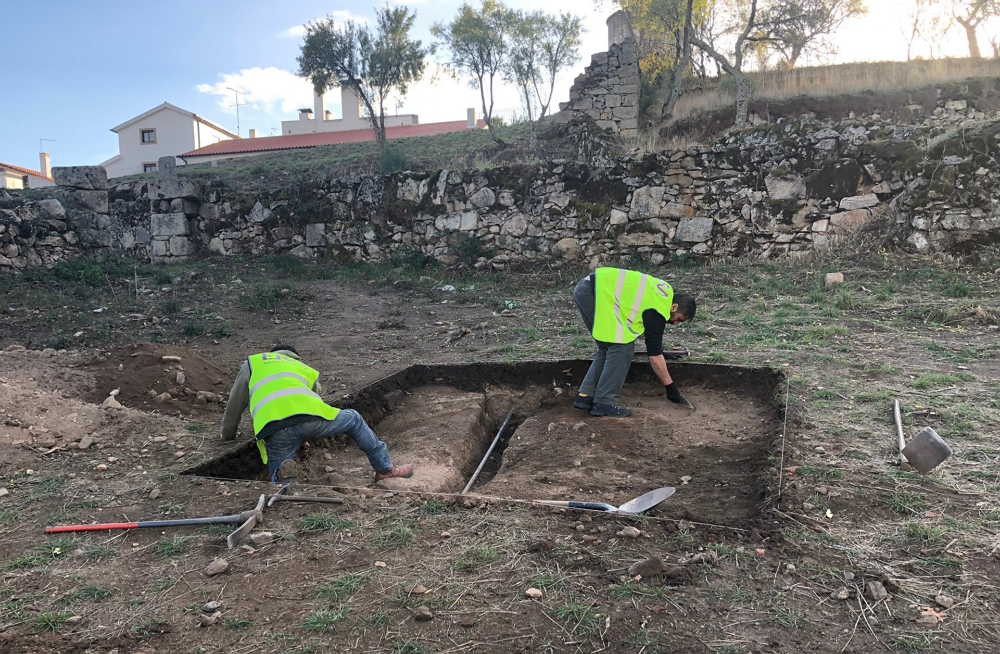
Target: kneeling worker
[
  {"x": 282, "y": 394},
  {"x": 618, "y": 306}
]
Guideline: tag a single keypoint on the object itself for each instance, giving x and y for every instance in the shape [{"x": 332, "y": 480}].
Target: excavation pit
[{"x": 443, "y": 418}]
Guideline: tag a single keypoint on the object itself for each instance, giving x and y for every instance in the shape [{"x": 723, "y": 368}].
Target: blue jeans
[
  {"x": 282, "y": 445},
  {"x": 607, "y": 372}
]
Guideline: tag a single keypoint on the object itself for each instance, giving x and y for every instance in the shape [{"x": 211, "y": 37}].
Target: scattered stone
[
  {"x": 179, "y": 453},
  {"x": 216, "y": 567},
  {"x": 380, "y": 564},
  {"x": 207, "y": 620},
  {"x": 164, "y": 397},
  {"x": 85, "y": 442},
  {"x": 647, "y": 568},
  {"x": 630, "y": 532},
  {"x": 685, "y": 479},
  {"x": 423, "y": 614},
  {"x": 833, "y": 279},
  {"x": 709, "y": 557},
  {"x": 180, "y": 378},
  {"x": 4, "y": 492},
  {"x": 589, "y": 538},
  {"x": 467, "y": 621},
  {"x": 930, "y": 616},
  {"x": 74, "y": 619},
  {"x": 261, "y": 538},
  {"x": 841, "y": 593},
  {"x": 111, "y": 403},
  {"x": 420, "y": 589},
  {"x": 159, "y": 439},
  {"x": 445, "y": 534},
  {"x": 533, "y": 593},
  {"x": 875, "y": 591},
  {"x": 945, "y": 601},
  {"x": 170, "y": 357},
  {"x": 155, "y": 493},
  {"x": 101, "y": 467},
  {"x": 211, "y": 607}
]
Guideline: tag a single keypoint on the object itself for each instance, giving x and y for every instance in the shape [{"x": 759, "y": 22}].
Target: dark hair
[
  {"x": 685, "y": 304},
  {"x": 288, "y": 348}
]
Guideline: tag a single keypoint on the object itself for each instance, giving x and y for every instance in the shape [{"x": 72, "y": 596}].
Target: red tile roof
[
  {"x": 24, "y": 171},
  {"x": 295, "y": 141}
]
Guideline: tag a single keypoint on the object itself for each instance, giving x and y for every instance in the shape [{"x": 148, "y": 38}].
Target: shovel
[{"x": 637, "y": 505}]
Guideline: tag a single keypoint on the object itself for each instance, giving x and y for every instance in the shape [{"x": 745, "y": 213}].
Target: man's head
[
  {"x": 683, "y": 308},
  {"x": 286, "y": 348}
]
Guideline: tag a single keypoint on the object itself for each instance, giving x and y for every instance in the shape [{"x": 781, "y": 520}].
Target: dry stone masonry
[{"x": 772, "y": 191}]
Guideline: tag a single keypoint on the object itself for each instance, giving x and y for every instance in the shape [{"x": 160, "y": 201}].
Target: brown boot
[{"x": 405, "y": 470}]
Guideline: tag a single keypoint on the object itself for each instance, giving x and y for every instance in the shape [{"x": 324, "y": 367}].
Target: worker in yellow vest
[
  {"x": 282, "y": 394},
  {"x": 618, "y": 306}
]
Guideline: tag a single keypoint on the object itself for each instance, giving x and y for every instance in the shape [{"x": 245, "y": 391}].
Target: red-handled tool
[{"x": 144, "y": 524}]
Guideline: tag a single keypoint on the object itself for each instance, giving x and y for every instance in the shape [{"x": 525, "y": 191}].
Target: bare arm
[
  {"x": 659, "y": 366},
  {"x": 239, "y": 399}
]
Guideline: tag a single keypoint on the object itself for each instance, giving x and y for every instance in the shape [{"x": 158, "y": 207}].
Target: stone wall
[
  {"x": 608, "y": 91},
  {"x": 768, "y": 192}
]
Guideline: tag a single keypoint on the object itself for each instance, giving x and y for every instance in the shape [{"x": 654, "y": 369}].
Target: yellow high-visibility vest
[
  {"x": 620, "y": 297},
  {"x": 282, "y": 387}
]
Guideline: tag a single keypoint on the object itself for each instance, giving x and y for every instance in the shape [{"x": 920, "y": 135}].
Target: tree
[
  {"x": 477, "y": 41},
  {"x": 970, "y": 14},
  {"x": 374, "y": 65},
  {"x": 541, "y": 46},
  {"x": 925, "y": 23},
  {"x": 793, "y": 27}
]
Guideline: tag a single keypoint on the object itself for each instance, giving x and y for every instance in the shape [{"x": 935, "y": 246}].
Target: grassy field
[{"x": 916, "y": 329}]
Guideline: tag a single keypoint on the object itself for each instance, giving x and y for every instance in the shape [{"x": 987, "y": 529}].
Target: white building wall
[
  {"x": 207, "y": 135},
  {"x": 10, "y": 179},
  {"x": 175, "y": 133}
]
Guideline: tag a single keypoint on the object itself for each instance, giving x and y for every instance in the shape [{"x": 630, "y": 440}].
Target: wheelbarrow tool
[{"x": 636, "y": 505}]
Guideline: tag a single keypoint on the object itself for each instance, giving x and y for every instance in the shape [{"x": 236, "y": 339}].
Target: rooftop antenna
[{"x": 237, "y": 105}]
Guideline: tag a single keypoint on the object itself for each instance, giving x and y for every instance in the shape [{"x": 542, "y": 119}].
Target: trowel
[{"x": 636, "y": 505}]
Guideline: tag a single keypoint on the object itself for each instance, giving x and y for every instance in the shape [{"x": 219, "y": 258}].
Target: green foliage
[
  {"x": 400, "y": 534},
  {"x": 392, "y": 160},
  {"x": 324, "y": 522},
  {"x": 469, "y": 248},
  {"x": 376, "y": 65},
  {"x": 578, "y": 617},
  {"x": 476, "y": 557},
  {"x": 324, "y": 619},
  {"x": 410, "y": 647},
  {"x": 174, "y": 546},
  {"x": 937, "y": 379},
  {"x": 341, "y": 588},
  {"x": 51, "y": 620},
  {"x": 541, "y": 45}
]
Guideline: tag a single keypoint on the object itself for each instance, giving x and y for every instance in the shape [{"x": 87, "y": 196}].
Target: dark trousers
[{"x": 606, "y": 376}]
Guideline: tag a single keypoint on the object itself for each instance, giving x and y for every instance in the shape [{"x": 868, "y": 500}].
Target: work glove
[{"x": 673, "y": 394}]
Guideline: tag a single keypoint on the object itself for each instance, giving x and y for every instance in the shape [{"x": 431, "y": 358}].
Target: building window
[
  {"x": 149, "y": 167},
  {"x": 147, "y": 135}
]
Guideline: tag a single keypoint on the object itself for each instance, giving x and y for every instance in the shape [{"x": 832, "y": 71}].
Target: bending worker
[
  {"x": 283, "y": 396},
  {"x": 618, "y": 306}
]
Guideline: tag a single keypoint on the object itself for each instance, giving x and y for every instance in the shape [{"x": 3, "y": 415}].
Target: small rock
[
  {"x": 207, "y": 620},
  {"x": 327, "y": 468},
  {"x": 179, "y": 453},
  {"x": 423, "y": 614},
  {"x": 164, "y": 397},
  {"x": 380, "y": 564},
  {"x": 833, "y": 279},
  {"x": 261, "y": 538},
  {"x": 710, "y": 557},
  {"x": 533, "y": 593},
  {"x": 445, "y": 534},
  {"x": 85, "y": 442},
  {"x": 875, "y": 591},
  {"x": 111, "y": 403},
  {"x": 841, "y": 593},
  {"x": 580, "y": 527},
  {"x": 211, "y": 607},
  {"x": 101, "y": 466},
  {"x": 760, "y": 551},
  {"x": 216, "y": 567},
  {"x": 170, "y": 357},
  {"x": 650, "y": 567},
  {"x": 74, "y": 619},
  {"x": 180, "y": 378},
  {"x": 789, "y": 568},
  {"x": 685, "y": 479},
  {"x": 630, "y": 532},
  {"x": 945, "y": 601},
  {"x": 419, "y": 589},
  {"x": 114, "y": 392},
  {"x": 159, "y": 439},
  {"x": 4, "y": 492},
  {"x": 155, "y": 493},
  {"x": 467, "y": 621},
  {"x": 589, "y": 538}
]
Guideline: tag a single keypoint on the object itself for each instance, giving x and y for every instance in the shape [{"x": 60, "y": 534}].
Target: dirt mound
[{"x": 157, "y": 377}]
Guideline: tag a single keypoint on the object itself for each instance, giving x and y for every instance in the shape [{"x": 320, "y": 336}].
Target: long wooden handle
[
  {"x": 899, "y": 430},
  {"x": 307, "y": 498}
]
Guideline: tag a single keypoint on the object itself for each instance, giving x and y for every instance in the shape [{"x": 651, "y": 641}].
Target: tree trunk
[
  {"x": 970, "y": 36},
  {"x": 677, "y": 74}
]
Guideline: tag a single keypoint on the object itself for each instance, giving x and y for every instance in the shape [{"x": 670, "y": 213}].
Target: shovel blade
[{"x": 647, "y": 500}]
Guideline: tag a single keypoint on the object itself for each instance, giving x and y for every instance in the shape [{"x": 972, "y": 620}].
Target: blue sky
[{"x": 80, "y": 67}]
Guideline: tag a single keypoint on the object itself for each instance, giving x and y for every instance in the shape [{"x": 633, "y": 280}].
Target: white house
[
  {"x": 162, "y": 131},
  {"x": 16, "y": 177},
  {"x": 320, "y": 119}
]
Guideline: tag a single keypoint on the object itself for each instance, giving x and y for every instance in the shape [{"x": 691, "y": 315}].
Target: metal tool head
[{"x": 647, "y": 501}]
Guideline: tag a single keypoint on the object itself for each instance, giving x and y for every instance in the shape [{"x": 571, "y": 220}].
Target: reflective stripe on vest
[
  {"x": 281, "y": 387},
  {"x": 620, "y": 298}
]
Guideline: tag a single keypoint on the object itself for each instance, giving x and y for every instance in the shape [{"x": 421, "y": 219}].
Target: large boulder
[
  {"x": 695, "y": 230},
  {"x": 785, "y": 188},
  {"x": 90, "y": 178}
]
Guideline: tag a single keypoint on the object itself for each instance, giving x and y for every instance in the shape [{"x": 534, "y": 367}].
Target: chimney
[
  {"x": 305, "y": 113},
  {"x": 349, "y": 103},
  {"x": 327, "y": 115},
  {"x": 45, "y": 164},
  {"x": 253, "y": 133},
  {"x": 470, "y": 118},
  {"x": 318, "y": 112}
]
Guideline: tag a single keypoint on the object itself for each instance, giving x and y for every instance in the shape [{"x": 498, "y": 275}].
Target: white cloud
[
  {"x": 270, "y": 90},
  {"x": 339, "y": 16}
]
